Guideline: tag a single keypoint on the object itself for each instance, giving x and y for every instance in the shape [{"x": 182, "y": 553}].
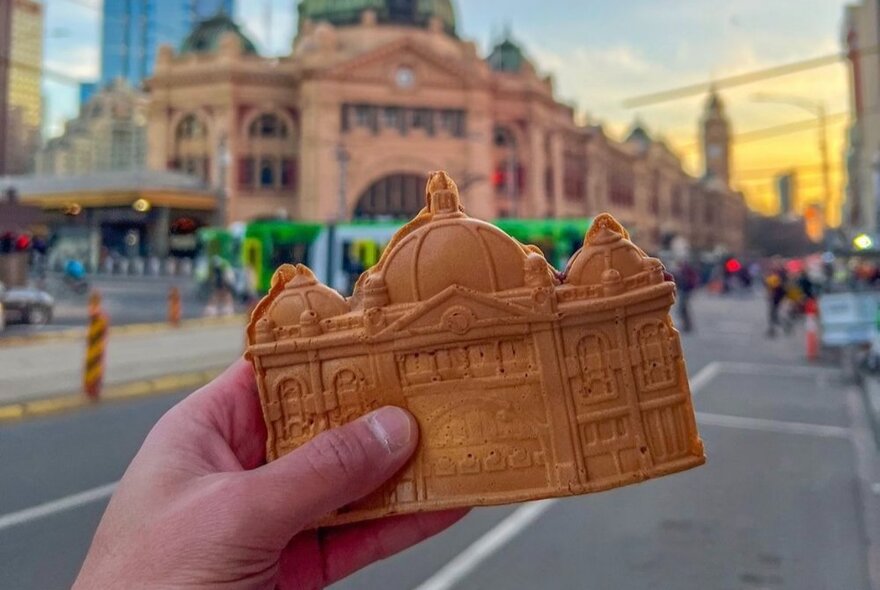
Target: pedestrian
[
  {"x": 198, "y": 508},
  {"x": 220, "y": 278},
  {"x": 686, "y": 281},
  {"x": 775, "y": 282}
]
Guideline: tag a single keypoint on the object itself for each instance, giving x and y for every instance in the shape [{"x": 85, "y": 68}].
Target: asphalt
[
  {"x": 784, "y": 502},
  {"x": 126, "y": 300}
]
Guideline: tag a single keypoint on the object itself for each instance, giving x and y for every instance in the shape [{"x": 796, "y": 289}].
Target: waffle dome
[
  {"x": 303, "y": 294},
  {"x": 445, "y": 247},
  {"x": 607, "y": 248}
]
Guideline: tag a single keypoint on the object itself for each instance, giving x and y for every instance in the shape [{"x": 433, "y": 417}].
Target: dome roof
[
  {"x": 302, "y": 297},
  {"x": 444, "y": 247},
  {"x": 417, "y": 13},
  {"x": 507, "y": 56},
  {"x": 608, "y": 254},
  {"x": 206, "y": 35},
  {"x": 639, "y": 134}
]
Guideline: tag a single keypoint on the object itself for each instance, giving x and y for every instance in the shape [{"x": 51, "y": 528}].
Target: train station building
[{"x": 376, "y": 93}]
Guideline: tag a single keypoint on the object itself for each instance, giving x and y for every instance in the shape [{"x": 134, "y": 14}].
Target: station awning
[{"x": 113, "y": 189}]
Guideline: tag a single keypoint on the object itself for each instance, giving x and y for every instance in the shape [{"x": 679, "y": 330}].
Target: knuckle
[{"x": 337, "y": 457}]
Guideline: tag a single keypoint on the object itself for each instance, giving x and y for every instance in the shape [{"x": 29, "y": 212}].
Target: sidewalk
[
  {"x": 39, "y": 371},
  {"x": 871, "y": 389}
]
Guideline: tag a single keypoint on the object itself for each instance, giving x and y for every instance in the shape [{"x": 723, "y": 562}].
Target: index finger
[{"x": 231, "y": 405}]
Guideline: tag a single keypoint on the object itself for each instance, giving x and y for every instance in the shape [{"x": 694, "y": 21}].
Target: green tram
[{"x": 338, "y": 254}]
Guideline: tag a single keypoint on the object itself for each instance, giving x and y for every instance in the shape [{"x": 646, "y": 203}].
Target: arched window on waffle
[
  {"x": 656, "y": 369},
  {"x": 597, "y": 381}
]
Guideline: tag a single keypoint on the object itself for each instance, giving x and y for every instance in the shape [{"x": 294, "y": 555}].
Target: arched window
[
  {"x": 191, "y": 128},
  {"x": 657, "y": 369},
  {"x": 268, "y": 158},
  {"x": 192, "y": 150},
  {"x": 291, "y": 394},
  {"x": 267, "y": 173},
  {"x": 268, "y": 126},
  {"x": 396, "y": 196},
  {"x": 503, "y": 137},
  {"x": 597, "y": 380}
]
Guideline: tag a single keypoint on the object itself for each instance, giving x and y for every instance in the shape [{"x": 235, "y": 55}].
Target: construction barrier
[
  {"x": 96, "y": 345},
  {"x": 174, "y": 306}
]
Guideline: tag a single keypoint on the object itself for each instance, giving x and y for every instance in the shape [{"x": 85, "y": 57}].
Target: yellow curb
[
  {"x": 136, "y": 389},
  {"x": 42, "y": 337},
  {"x": 122, "y": 330},
  {"x": 13, "y": 412},
  {"x": 56, "y": 404}
]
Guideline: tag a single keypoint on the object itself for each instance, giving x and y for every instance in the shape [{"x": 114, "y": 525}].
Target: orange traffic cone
[
  {"x": 811, "y": 325},
  {"x": 174, "y": 307}
]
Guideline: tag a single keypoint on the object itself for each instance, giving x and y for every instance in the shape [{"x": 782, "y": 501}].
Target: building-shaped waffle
[{"x": 526, "y": 383}]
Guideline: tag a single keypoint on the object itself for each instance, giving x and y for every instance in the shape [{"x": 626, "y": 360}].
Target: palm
[{"x": 188, "y": 494}]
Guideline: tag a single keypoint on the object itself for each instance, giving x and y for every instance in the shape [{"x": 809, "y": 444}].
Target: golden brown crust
[{"x": 525, "y": 383}]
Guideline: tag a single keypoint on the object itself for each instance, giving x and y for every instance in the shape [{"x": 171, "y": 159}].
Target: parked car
[{"x": 26, "y": 304}]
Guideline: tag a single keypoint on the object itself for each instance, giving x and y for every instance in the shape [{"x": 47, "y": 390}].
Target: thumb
[{"x": 335, "y": 468}]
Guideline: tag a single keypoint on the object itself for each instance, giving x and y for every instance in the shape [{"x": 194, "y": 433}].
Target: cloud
[{"x": 80, "y": 61}]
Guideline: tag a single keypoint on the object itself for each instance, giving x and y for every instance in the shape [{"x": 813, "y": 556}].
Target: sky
[{"x": 599, "y": 53}]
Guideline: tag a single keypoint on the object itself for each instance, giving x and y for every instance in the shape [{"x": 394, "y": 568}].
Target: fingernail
[{"x": 391, "y": 426}]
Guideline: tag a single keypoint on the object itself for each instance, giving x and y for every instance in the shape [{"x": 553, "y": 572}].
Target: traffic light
[
  {"x": 12, "y": 242},
  {"x": 732, "y": 266}
]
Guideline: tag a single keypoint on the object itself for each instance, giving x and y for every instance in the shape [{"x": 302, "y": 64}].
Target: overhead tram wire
[
  {"x": 775, "y": 131},
  {"x": 740, "y": 79},
  {"x": 47, "y": 72}
]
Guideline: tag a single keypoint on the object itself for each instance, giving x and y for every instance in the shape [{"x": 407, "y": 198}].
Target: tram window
[{"x": 289, "y": 253}]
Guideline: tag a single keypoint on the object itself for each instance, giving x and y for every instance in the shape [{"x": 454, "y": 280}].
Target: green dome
[
  {"x": 506, "y": 57},
  {"x": 205, "y": 36},
  {"x": 417, "y": 13},
  {"x": 639, "y": 134}
]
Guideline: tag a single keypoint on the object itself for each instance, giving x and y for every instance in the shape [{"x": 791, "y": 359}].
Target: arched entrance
[{"x": 395, "y": 196}]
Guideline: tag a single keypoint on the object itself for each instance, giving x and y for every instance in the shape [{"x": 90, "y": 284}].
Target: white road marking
[
  {"x": 780, "y": 426},
  {"x": 502, "y": 533},
  {"x": 705, "y": 375},
  {"x": 493, "y": 540},
  {"x": 55, "y": 506},
  {"x": 761, "y": 369}
]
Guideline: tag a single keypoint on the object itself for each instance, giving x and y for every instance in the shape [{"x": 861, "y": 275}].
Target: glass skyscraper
[{"x": 133, "y": 30}]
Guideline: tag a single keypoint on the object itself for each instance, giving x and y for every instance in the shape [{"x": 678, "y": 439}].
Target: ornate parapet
[{"x": 526, "y": 383}]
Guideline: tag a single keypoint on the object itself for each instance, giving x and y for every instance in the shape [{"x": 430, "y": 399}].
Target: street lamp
[
  {"x": 343, "y": 157},
  {"x": 818, "y": 110},
  {"x": 334, "y": 245}
]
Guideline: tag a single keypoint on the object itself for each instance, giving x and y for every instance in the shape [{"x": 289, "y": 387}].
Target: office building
[
  {"x": 134, "y": 29},
  {"x": 21, "y": 105}
]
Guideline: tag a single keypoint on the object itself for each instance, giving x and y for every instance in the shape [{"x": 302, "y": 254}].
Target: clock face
[
  {"x": 404, "y": 77},
  {"x": 714, "y": 151}
]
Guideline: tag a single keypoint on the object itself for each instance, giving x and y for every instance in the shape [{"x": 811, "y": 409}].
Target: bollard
[
  {"x": 94, "y": 304},
  {"x": 93, "y": 375},
  {"x": 811, "y": 327},
  {"x": 174, "y": 306}
]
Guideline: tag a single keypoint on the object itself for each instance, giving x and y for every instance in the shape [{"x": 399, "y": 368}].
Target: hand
[{"x": 197, "y": 508}]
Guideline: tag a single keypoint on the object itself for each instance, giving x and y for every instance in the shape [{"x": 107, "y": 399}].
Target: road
[
  {"x": 126, "y": 300},
  {"x": 785, "y": 501}
]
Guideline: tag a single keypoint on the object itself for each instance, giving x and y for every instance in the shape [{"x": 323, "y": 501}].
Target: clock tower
[{"x": 715, "y": 134}]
